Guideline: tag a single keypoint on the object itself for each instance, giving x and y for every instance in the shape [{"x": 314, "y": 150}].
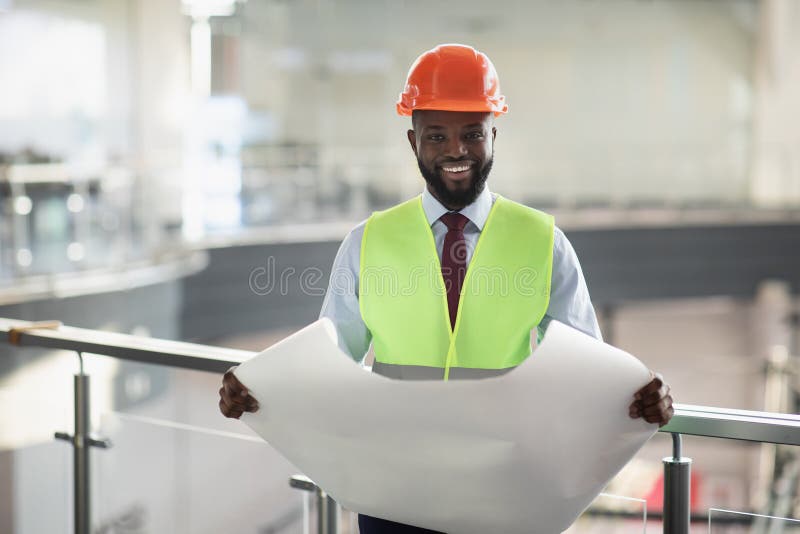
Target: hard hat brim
[{"x": 454, "y": 105}]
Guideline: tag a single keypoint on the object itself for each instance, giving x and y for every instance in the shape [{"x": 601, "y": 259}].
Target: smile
[{"x": 457, "y": 168}]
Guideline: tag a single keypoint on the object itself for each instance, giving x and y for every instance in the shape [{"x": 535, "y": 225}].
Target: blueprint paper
[{"x": 525, "y": 452}]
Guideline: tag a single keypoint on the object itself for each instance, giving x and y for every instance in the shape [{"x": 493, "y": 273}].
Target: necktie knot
[{"x": 454, "y": 221}]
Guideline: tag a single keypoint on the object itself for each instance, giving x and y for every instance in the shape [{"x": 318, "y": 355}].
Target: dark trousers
[{"x": 373, "y": 525}]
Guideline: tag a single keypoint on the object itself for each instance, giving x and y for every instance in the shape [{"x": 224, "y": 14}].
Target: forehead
[{"x": 451, "y": 119}]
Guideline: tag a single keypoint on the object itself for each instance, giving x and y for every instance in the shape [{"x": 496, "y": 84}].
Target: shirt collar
[{"x": 477, "y": 212}]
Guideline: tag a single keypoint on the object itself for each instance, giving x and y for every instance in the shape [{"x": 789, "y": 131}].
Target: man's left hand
[{"x": 653, "y": 402}]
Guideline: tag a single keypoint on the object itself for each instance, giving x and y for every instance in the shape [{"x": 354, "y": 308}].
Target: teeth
[{"x": 456, "y": 169}]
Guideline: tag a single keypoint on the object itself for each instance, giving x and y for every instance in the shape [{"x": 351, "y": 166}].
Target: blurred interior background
[{"x": 161, "y": 159}]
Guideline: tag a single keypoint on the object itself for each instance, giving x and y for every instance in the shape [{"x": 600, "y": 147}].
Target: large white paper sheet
[{"x": 525, "y": 452}]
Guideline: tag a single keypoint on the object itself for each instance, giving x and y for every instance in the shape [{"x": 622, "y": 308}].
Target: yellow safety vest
[{"x": 504, "y": 296}]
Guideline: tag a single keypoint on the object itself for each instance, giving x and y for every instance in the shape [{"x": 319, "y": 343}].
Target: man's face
[{"x": 454, "y": 151}]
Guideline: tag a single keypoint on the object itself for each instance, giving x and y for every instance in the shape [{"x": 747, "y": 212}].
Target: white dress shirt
[{"x": 569, "y": 296}]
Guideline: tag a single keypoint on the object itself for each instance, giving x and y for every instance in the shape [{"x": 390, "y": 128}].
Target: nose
[{"x": 455, "y": 148}]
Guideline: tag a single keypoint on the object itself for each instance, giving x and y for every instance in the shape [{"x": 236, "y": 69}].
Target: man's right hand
[{"x": 234, "y": 398}]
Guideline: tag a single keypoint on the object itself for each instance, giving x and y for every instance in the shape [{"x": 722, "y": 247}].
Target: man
[{"x": 452, "y": 283}]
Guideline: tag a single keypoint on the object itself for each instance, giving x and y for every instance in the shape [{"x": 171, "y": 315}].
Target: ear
[
  {"x": 412, "y": 140},
  {"x": 494, "y": 133}
]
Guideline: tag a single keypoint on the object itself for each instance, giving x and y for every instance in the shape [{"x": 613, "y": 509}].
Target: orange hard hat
[{"x": 452, "y": 77}]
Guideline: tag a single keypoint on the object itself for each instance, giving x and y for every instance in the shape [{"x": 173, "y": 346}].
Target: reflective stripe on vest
[
  {"x": 403, "y": 300},
  {"x": 420, "y": 372}
]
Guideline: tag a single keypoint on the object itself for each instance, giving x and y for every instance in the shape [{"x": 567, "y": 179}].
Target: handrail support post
[
  {"x": 327, "y": 508},
  {"x": 677, "y": 489},
  {"x": 82, "y": 441}
]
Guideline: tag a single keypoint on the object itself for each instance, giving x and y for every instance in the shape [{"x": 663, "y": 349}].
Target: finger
[
  {"x": 229, "y": 405},
  {"x": 670, "y": 413},
  {"x": 656, "y": 377},
  {"x": 235, "y": 390},
  {"x": 660, "y": 420},
  {"x": 223, "y": 408},
  {"x": 655, "y": 397},
  {"x": 230, "y": 378},
  {"x": 227, "y": 411},
  {"x": 237, "y": 404},
  {"x": 234, "y": 400},
  {"x": 636, "y": 410},
  {"x": 663, "y": 418},
  {"x": 654, "y": 385},
  {"x": 655, "y": 388},
  {"x": 232, "y": 388},
  {"x": 659, "y": 412},
  {"x": 661, "y": 406},
  {"x": 232, "y": 383}
]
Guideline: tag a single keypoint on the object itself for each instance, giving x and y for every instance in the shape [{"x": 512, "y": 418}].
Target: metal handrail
[
  {"x": 695, "y": 420},
  {"x": 704, "y": 421},
  {"x": 126, "y": 347},
  {"x": 746, "y": 425}
]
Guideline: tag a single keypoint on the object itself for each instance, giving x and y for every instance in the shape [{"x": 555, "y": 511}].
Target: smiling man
[{"x": 453, "y": 283}]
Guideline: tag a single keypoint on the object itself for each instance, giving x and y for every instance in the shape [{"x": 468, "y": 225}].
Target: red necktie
[{"x": 454, "y": 260}]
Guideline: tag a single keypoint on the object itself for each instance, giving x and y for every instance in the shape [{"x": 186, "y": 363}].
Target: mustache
[{"x": 461, "y": 160}]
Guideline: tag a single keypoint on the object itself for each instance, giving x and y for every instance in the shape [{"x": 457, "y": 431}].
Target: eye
[
  {"x": 474, "y": 135},
  {"x": 436, "y": 137}
]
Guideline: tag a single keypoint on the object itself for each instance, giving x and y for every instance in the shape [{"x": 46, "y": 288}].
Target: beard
[{"x": 456, "y": 199}]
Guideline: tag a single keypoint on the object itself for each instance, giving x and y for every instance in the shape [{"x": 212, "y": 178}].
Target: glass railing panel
[
  {"x": 608, "y": 514},
  {"x": 733, "y": 522},
  {"x": 612, "y": 514},
  {"x": 161, "y": 476},
  {"x": 35, "y": 478},
  {"x": 35, "y": 468}
]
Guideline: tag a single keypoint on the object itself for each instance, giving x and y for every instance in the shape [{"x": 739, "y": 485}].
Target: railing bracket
[{"x": 92, "y": 441}]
